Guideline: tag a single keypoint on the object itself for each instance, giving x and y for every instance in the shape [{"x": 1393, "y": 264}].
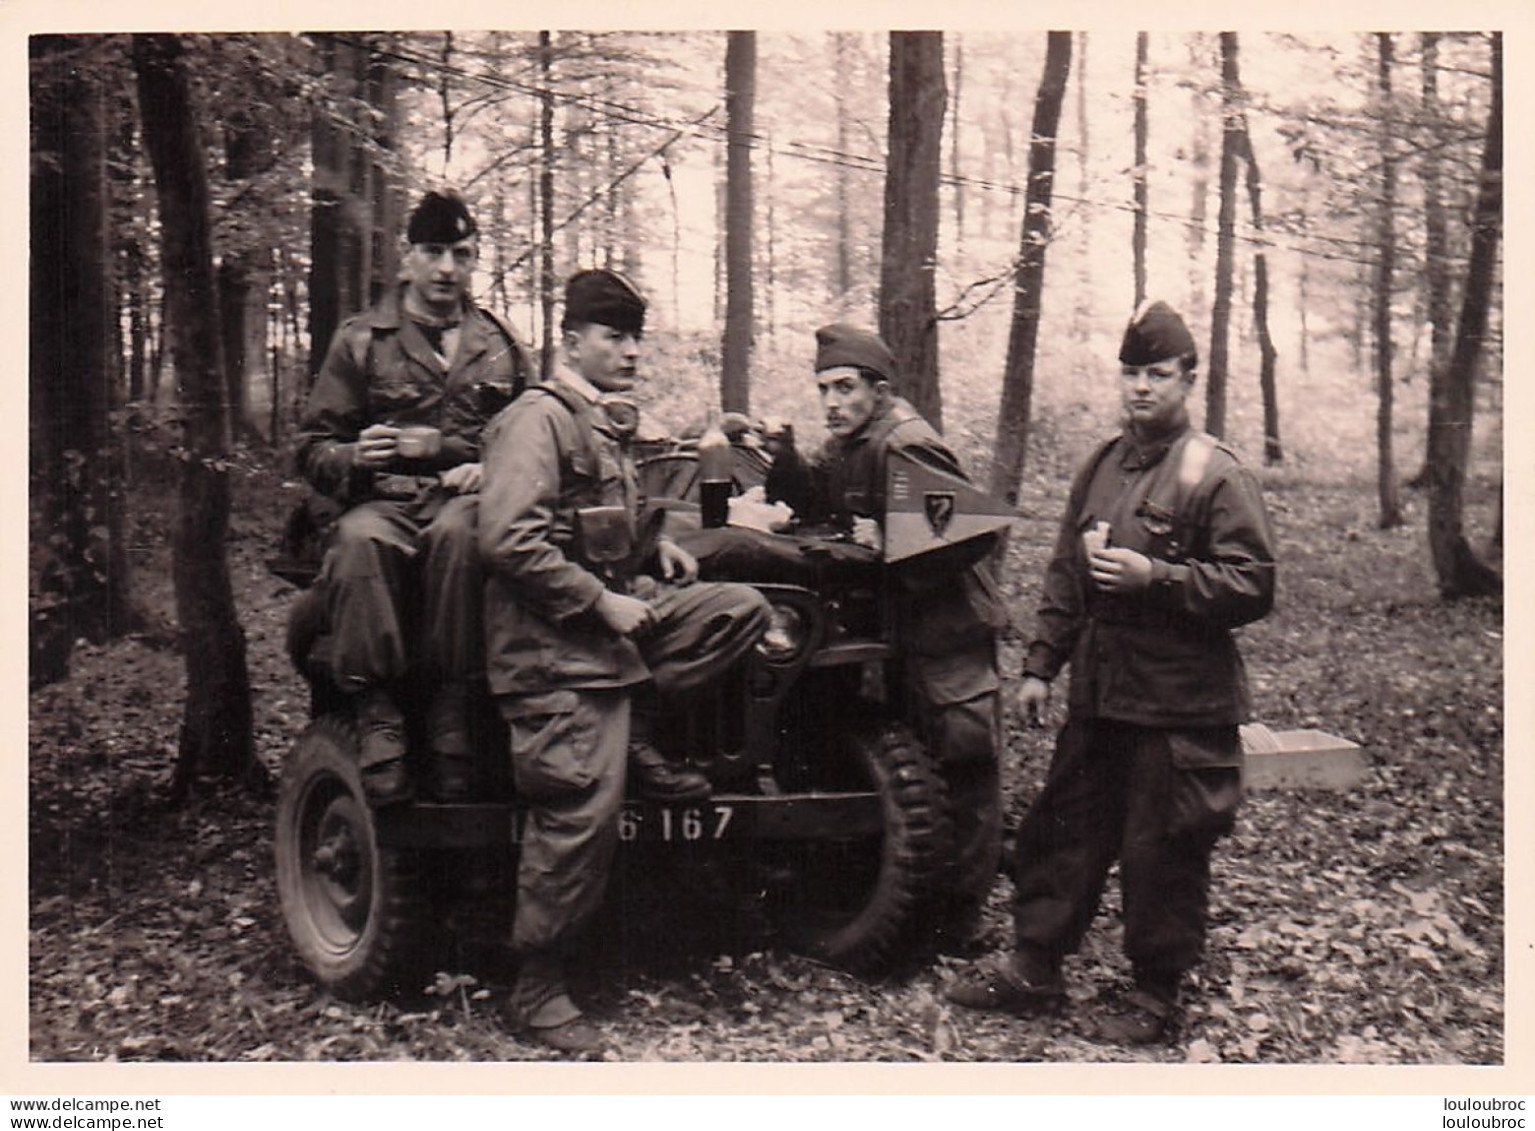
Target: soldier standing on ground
[
  {"x": 1165, "y": 547},
  {"x": 949, "y": 611}
]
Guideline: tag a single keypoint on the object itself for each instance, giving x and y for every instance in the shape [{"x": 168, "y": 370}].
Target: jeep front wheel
[
  {"x": 352, "y": 906},
  {"x": 853, "y": 901}
]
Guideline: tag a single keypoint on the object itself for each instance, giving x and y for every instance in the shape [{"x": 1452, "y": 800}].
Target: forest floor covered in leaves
[{"x": 1363, "y": 927}]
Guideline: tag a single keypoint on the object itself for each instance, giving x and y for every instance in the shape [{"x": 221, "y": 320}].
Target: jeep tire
[
  {"x": 859, "y": 906},
  {"x": 353, "y": 906}
]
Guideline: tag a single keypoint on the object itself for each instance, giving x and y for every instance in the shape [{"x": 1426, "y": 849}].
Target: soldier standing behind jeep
[
  {"x": 391, "y": 434},
  {"x": 949, "y": 613}
]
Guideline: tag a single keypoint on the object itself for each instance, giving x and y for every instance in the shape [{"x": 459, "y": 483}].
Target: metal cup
[{"x": 418, "y": 441}]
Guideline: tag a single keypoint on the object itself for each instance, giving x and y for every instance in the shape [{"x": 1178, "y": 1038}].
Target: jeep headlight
[{"x": 784, "y": 636}]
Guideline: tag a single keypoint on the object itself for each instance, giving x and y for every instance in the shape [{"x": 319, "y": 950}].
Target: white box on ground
[{"x": 1300, "y": 759}]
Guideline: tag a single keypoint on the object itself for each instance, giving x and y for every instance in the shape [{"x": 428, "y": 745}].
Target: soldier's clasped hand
[
  {"x": 624, "y": 615},
  {"x": 1117, "y": 570}
]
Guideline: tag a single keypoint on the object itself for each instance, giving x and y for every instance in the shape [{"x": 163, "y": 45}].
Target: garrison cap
[
  {"x": 441, "y": 217},
  {"x": 842, "y": 344},
  {"x": 604, "y": 296},
  {"x": 1156, "y": 333}
]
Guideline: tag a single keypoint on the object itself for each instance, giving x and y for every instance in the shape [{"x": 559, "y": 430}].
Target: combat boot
[
  {"x": 654, "y": 778},
  {"x": 381, "y": 749},
  {"x": 1024, "y": 985},
  {"x": 1148, "y": 1014},
  {"x": 539, "y": 1009},
  {"x": 448, "y": 740}
]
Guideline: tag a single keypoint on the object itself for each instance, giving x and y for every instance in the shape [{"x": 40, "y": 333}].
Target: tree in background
[
  {"x": 1199, "y": 176},
  {"x": 1268, "y": 383},
  {"x": 1385, "y": 274},
  {"x": 1452, "y": 393},
  {"x": 356, "y": 213},
  {"x": 1436, "y": 241},
  {"x": 546, "y": 163},
  {"x": 907, "y": 309},
  {"x": 1029, "y": 278},
  {"x": 216, "y": 732},
  {"x": 740, "y": 102},
  {"x": 956, "y": 134},
  {"x": 1232, "y": 129},
  {"x": 77, "y": 473},
  {"x": 1138, "y": 172}
]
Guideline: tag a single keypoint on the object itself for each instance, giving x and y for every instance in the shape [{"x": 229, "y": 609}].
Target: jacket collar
[
  {"x": 897, "y": 411},
  {"x": 1137, "y": 453},
  {"x": 573, "y": 380},
  {"x": 389, "y": 313}
]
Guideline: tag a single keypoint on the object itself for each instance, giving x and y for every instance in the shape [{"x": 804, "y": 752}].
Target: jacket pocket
[{"x": 1161, "y": 671}]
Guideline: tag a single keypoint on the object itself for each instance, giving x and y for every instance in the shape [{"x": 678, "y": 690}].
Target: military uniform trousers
[
  {"x": 1150, "y": 797},
  {"x": 569, "y": 747},
  {"x": 383, "y": 553},
  {"x": 965, "y": 735}
]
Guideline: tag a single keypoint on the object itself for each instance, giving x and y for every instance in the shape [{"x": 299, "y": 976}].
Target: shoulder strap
[
  {"x": 578, "y": 408},
  {"x": 519, "y": 357},
  {"x": 1180, "y": 475},
  {"x": 1194, "y": 461}
]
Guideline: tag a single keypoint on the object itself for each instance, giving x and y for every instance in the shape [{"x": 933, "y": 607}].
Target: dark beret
[
  {"x": 841, "y": 344},
  {"x": 441, "y": 217},
  {"x": 1156, "y": 333},
  {"x": 600, "y": 295}
]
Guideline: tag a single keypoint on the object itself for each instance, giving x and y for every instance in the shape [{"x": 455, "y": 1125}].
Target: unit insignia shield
[{"x": 939, "y": 508}]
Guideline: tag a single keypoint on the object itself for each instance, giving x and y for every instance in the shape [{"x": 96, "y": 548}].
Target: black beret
[
  {"x": 600, "y": 295},
  {"x": 441, "y": 217},
  {"x": 1156, "y": 333},
  {"x": 841, "y": 344}
]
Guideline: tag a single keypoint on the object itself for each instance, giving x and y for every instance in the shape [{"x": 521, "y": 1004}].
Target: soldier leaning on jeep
[{"x": 572, "y": 634}]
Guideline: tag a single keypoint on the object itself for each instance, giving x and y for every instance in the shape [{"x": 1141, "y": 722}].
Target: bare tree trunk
[
  {"x": 1083, "y": 311},
  {"x": 242, "y": 276},
  {"x": 1273, "y": 451},
  {"x": 1453, "y": 394},
  {"x": 954, "y": 148},
  {"x": 611, "y": 198},
  {"x": 76, "y": 460},
  {"x": 740, "y": 106},
  {"x": 907, "y": 309},
  {"x": 676, "y": 249},
  {"x": 445, "y": 99},
  {"x": 1018, "y": 376},
  {"x": 1142, "y": 198},
  {"x": 1199, "y": 181},
  {"x": 1385, "y": 271},
  {"x": 216, "y": 732},
  {"x": 1436, "y": 250},
  {"x": 546, "y": 200},
  {"x": 355, "y": 210},
  {"x": 1232, "y": 133},
  {"x": 771, "y": 313},
  {"x": 844, "y": 277}
]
